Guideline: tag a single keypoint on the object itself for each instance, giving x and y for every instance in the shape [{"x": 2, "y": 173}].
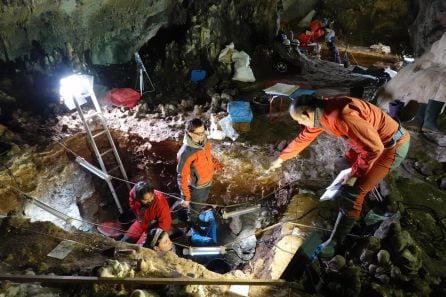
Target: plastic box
[
  {"x": 197, "y": 74},
  {"x": 240, "y": 111}
]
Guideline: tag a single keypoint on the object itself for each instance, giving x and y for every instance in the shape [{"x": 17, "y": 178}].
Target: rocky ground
[{"x": 399, "y": 251}]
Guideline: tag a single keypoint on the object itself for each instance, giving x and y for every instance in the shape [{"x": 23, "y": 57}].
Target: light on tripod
[
  {"x": 227, "y": 215},
  {"x": 205, "y": 250},
  {"x": 93, "y": 169},
  {"x": 141, "y": 71}
]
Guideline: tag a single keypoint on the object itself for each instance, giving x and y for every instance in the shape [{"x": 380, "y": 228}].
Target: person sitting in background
[
  {"x": 317, "y": 29},
  {"x": 330, "y": 38},
  {"x": 151, "y": 210},
  {"x": 158, "y": 240},
  {"x": 307, "y": 42}
]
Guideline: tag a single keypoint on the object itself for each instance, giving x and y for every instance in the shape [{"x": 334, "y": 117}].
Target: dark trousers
[{"x": 198, "y": 195}]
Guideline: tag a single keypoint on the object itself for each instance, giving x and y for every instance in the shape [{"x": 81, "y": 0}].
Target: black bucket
[
  {"x": 218, "y": 265},
  {"x": 260, "y": 104}
]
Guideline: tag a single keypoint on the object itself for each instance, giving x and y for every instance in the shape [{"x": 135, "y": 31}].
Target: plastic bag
[
  {"x": 372, "y": 218},
  {"x": 226, "y": 125},
  {"x": 242, "y": 71},
  {"x": 214, "y": 133}
]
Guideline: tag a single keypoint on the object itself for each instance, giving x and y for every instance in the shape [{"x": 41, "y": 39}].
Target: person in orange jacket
[
  {"x": 378, "y": 145},
  {"x": 151, "y": 210},
  {"x": 196, "y": 165}
]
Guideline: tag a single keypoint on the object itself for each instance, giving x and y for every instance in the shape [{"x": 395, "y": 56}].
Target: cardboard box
[{"x": 242, "y": 127}]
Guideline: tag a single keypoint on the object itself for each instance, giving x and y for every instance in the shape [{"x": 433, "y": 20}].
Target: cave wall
[
  {"x": 211, "y": 25},
  {"x": 109, "y": 32},
  {"x": 106, "y": 32},
  {"x": 364, "y": 22},
  {"x": 428, "y": 26}
]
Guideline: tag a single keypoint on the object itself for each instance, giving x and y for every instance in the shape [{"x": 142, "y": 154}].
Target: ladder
[{"x": 85, "y": 91}]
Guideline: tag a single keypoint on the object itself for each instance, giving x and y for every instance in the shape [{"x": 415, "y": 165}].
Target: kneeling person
[{"x": 151, "y": 210}]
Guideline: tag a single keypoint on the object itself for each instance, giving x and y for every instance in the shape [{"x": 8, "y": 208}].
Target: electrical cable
[
  {"x": 49, "y": 235},
  {"x": 193, "y": 202},
  {"x": 69, "y": 218}
]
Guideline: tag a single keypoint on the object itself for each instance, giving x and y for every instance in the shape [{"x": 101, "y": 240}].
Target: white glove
[{"x": 275, "y": 164}]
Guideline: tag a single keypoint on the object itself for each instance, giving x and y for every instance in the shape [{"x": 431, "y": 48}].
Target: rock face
[
  {"x": 428, "y": 71},
  {"x": 384, "y": 21},
  {"x": 429, "y": 24},
  {"x": 107, "y": 31}
]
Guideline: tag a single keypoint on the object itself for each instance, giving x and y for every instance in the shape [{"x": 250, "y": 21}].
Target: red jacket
[
  {"x": 365, "y": 127},
  {"x": 158, "y": 210},
  {"x": 304, "y": 40},
  {"x": 196, "y": 166},
  {"x": 316, "y": 29}
]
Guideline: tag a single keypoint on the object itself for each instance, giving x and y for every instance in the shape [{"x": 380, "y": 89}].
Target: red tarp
[
  {"x": 111, "y": 229},
  {"x": 122, "y": 97}
]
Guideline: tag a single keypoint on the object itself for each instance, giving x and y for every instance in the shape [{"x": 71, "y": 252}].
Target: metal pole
[
  {"x": 49, "y": 209},
  {"x": 141, "y": 81},
  {"x": 138, "y": 280}
]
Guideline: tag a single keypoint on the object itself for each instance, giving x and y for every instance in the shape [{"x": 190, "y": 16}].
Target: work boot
[
  {"x": 416, "y": 123},
  {"x": 342, "y": 228},
  {"x": 430, "y": 117},
  {"x": 395, "y": 108}
]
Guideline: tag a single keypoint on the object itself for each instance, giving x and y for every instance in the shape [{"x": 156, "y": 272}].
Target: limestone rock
[
  {"x": 236, "y": 225},
  {"x": 383, "y": 257},
  {"x": 410, "y": 260},
  {"x": 336, "y": 263}
]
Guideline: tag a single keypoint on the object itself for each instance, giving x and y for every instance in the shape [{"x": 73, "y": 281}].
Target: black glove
[{"x": 347, "y": 197}]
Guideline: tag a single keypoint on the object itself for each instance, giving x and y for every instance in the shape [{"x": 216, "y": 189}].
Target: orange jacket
[
  {"x": 196, "y": 166},
  {"x": 366, "y": 128}
]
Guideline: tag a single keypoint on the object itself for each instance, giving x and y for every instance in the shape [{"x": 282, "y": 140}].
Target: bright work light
[
  {"x": 205, "y": 250},
  {"x": 74, "y": 87}
]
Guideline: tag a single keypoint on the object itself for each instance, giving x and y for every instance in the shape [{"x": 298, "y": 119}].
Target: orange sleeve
[
  {"x": 364, "y": 139},
  {"x": 300, "y": 143},
  {"x": 217, "y": 164}
]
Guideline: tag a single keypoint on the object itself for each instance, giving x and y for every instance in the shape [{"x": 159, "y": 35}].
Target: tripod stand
[{"x": 141, "y": 69}]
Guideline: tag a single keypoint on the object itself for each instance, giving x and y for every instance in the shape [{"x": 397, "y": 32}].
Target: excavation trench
[{"x": 241, "y": 185}]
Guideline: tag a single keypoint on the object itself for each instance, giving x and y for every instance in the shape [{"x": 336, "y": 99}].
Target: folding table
[{"x": 284, "y": 91}]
